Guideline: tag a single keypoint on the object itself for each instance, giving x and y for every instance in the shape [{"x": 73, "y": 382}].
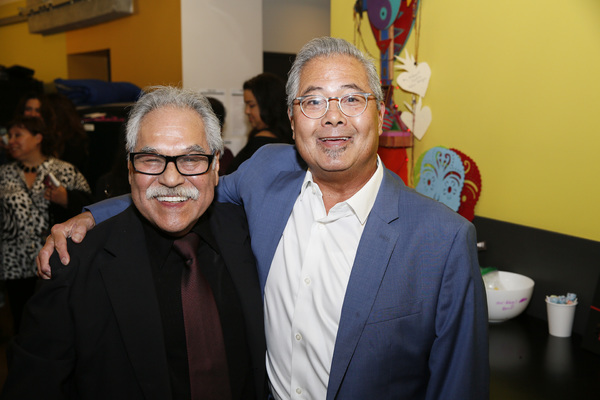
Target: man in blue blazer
[{"x": 371, "y": 291}]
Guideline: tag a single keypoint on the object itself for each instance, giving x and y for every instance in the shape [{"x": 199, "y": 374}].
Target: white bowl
[{"x": 510, "y": 296}]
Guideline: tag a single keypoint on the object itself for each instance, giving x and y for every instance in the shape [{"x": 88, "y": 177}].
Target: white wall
[
  {"x": 289, "y": 24},
  {"x": 223, "y": 43},
  {"x": 221, "y": 48}
]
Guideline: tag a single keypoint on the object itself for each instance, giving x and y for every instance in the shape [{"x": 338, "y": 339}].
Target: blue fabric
[
  {"x": 414, "y": 319},
  {"x": 95, "y": 92},
  {"x": 107, "y": 208}
]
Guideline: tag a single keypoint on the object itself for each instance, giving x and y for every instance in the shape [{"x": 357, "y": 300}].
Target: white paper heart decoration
[
  {"x": 421, "y": 116},
  {"x": 416, "y": 78}
]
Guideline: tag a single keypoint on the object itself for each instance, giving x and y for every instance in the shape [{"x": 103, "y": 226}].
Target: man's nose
[
  {"x": 171, "y": 177},
  {"x": 334, "y": 115}
]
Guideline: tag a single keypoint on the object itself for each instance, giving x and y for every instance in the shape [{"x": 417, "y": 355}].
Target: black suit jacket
[{"x": 94, "y": 331}]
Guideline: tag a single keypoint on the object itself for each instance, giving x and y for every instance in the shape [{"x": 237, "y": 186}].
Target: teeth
[
  {"x": 172, "y": 199},
  {"x": 331, "y": 139}
]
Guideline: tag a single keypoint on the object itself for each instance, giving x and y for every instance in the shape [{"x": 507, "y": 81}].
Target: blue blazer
[{"x": 414, "y": 318}]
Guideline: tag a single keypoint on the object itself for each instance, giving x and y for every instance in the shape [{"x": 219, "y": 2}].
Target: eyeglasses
[
  {"x": 351, "y": 105},
  {"x": 156, "y": 164}
]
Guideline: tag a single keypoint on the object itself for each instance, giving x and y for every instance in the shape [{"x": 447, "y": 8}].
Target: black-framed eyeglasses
[
  {"x": 156, "y": 164},
  {"x": 351, "y": 105}
]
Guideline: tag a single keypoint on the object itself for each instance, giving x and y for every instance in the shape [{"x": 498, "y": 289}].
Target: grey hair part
[
  {"x": 156, "y": 97},
  {"x": 326, "y": 47}
]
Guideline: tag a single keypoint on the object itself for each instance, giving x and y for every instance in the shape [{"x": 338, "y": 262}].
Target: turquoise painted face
[{"x": 442, "y": 176}]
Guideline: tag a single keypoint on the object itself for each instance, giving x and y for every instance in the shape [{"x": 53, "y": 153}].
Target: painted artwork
[
  {"x": 391, "y": 22},
  {"x": 471, "y": 188},
  {"x": 451, "y": 177},
  {"x": 442, "y": 176}
]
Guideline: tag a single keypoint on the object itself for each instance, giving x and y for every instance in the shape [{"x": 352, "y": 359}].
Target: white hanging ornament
[
  {"x": 417, "y": 119},
  {"x": 416, "y": 78}
]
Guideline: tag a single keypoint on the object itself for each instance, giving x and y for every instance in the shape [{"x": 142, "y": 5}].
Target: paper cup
[{"x": 560, "y": 318}]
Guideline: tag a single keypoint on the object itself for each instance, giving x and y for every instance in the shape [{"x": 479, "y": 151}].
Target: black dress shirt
[{"x": 167, "y": 267}]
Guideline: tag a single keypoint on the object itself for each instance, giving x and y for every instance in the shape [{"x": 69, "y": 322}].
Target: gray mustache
[{"x": 161, "y": 191}]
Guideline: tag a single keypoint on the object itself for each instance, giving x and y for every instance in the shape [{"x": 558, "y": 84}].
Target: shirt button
[
  {"x": 307, "y": 280},
  {"x": 298, "y": 390},
  {"x": 321, "y": 227},
  {"x": 298, "y": 336}
]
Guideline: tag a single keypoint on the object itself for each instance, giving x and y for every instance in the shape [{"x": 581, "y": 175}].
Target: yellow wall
[
  {"x": 145, "y": 47},
  {"x": 516, "y": 86},
  {"x": 46, "y": 55}
]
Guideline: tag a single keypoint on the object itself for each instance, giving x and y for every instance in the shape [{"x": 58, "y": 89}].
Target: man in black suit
[{"x": 115, "y": 328}]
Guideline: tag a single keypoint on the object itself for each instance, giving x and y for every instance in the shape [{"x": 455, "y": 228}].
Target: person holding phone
[{"x": 36, "y": 191}]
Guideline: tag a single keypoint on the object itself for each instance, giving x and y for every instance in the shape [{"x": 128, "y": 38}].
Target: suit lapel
[
  {"x": 275, "y": 212},
  {"x": 374, "y": 250},
  {"x": 130, "y": 286}
]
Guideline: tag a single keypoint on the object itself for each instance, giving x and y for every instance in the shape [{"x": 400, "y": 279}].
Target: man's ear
[
  {"x": 381, "y": 116},
  {"x": 130, "y": 174},
  {"x": 215, "y": 167},
  {"x": 291, "y": 117},
  {"x": 216, "y": 162}
]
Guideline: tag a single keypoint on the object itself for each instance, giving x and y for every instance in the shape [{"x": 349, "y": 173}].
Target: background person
[
  {"x": 264, "y": 97},
  {"x": 72, "y": 140},
  {"x": 62, "y": 121},
  {"x": 32, "y": 104},
  {"x": 221, "y": 114},
  {"x": 30, "y": 203}
]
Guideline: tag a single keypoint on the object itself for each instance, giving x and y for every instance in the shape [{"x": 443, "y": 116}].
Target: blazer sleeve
[
  {"x": 105, "y": 209},
  {"x": 37, "y": 370},
  {"x": 257, "y": 172},
  {"x": 459, "y": 362},
  {"x": 227, "y": 191}
]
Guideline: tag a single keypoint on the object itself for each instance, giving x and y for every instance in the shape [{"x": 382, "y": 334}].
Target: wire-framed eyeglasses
[
  {"x": 351, "y": 105},
  {"x": 156, "y": 164}
]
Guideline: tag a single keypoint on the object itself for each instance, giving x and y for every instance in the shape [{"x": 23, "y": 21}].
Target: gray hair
[
  {"x": 156, "y": 97},
  {"x": 326, "y": 47}
]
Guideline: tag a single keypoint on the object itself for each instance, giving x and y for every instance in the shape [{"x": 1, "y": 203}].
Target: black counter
[
  {"x": 557, "y": 263},
  {"x": 528, "y": 363}
]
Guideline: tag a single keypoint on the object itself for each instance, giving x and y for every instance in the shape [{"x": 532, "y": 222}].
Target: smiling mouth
[
  {"x": 172, "y": 199},
  {"x": 335, "y": 139},
  {"x": 172, "y": 195}
]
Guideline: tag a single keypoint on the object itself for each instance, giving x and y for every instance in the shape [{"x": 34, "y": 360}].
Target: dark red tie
[{"x": 209, "y": 376}]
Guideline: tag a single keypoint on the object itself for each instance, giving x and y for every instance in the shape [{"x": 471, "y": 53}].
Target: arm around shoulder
[{"x": 105, "y": 209}]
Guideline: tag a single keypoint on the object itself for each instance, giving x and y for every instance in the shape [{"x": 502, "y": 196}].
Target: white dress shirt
[{"x": 306, "y": 285}]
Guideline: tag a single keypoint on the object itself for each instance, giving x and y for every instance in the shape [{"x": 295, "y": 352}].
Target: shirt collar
[
  {"x": 362, "y": 201},
  {"x": 159, "y": 243}
]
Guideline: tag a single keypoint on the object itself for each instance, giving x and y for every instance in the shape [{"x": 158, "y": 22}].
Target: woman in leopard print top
[{"x": 28, "y": 205}]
